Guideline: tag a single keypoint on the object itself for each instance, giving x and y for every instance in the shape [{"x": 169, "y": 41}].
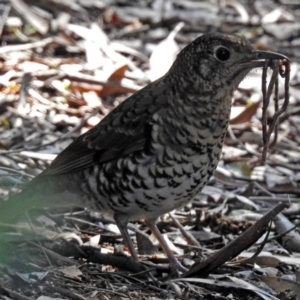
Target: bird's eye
[{"x": 222, "y": 53}]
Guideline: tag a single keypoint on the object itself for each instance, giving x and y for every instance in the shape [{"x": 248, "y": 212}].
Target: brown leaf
[
  {"x": 241, "y": 115},
  {"x": 83, "y": 87},
  {"x": 119, "y": 72}
]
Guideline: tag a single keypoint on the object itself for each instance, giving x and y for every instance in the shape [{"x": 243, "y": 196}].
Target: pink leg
[{"x": 172, "y": 259}]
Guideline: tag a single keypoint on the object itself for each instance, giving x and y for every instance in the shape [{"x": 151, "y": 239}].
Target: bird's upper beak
[{"x": 268, "y": 55}]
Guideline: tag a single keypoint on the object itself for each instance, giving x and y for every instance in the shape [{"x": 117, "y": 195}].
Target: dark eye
[{"x": 222, "y": 53}]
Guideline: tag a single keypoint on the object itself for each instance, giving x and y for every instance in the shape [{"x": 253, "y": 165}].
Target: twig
[
  {"x": 250, "y": 236},
  {"x": 28, "y": 46}
]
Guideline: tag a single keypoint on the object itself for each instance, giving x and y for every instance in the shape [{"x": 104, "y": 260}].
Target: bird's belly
[{"x": 147, "y": 189}]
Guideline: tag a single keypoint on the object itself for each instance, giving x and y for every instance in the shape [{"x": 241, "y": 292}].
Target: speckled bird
[{"x": 156, "y": 150}]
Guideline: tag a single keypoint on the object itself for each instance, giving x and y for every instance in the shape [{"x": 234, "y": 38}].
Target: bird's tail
[
  {"x": 41, "y": 193},
  {"x": 15, "y": 226},
  {"x": 14, "y": 208}
]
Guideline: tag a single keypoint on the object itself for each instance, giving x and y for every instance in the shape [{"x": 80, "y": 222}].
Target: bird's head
[{"x": 213, "y": 61}]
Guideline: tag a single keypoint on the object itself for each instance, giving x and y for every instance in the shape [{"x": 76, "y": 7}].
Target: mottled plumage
[{"x": 156, "y": 150}]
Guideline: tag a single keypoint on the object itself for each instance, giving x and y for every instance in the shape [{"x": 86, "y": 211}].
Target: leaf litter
[{"x": 63, "y": 68}]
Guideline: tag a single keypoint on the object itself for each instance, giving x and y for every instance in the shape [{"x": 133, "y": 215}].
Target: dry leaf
[
  {"x": 164, "y": 55},
  {"x": 243, "y": 114},
  {"x": 119, "y": 72}
]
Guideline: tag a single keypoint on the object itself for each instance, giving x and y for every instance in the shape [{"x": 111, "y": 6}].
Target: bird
[{"x": 155, "y": 151}]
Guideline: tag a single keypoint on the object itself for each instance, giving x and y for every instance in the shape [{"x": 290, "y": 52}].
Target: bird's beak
[
  {"x": 268, "y": 55},
  {"x": 257, "y": 59}
]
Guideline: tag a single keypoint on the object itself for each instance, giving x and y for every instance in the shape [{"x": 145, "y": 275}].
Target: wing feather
[{"x": 125, "y": 130}]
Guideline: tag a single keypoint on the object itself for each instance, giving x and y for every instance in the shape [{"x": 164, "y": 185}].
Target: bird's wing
[{"x": 125, "y": 130}]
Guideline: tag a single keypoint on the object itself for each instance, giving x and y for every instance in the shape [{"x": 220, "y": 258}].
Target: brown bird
[{"x": 155, "y": 151}]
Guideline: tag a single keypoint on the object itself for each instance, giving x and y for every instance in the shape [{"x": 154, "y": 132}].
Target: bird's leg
[
  {"x": 151, "y": 223},
  {"x": 122, "y": 221}
]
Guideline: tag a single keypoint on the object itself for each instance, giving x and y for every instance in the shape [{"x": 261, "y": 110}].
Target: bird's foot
[
  {"x": 178, "y": 266},
  {"x": 177, "y": 269}
]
